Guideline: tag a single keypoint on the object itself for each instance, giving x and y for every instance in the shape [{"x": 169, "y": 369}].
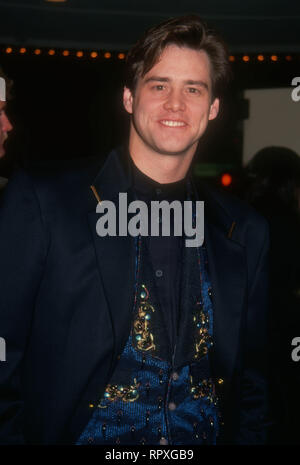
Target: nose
[
  {"x": 175, "y": 101},
  {"x": 5, "y": 123}
]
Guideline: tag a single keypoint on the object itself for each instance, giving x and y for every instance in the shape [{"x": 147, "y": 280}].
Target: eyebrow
[{"x": 190, "y": 82}]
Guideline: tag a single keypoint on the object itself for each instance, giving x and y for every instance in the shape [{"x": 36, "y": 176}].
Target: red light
[{"x": 226, "y": 179}]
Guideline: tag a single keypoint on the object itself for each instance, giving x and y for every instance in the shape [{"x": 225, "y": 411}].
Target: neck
[{"x": 162, "y": 168}]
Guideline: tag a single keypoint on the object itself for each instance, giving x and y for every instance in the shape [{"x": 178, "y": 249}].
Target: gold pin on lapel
[
  {"x": 231, "y": 230},
  {"x": 95, "y": 193}
]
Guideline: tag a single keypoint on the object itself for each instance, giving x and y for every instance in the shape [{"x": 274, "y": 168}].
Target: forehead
[{"x": 182, "y": 63}]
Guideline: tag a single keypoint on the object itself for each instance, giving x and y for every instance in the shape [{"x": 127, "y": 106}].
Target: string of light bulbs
[{"x": 121, "y": 55}]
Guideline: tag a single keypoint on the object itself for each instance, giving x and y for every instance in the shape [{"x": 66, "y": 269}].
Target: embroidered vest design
[{"x": 156, "y": 395}]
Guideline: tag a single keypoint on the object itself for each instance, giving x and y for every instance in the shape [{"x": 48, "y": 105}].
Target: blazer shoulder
[
  {"x": 51, "y": 170},
  {"x": 63, "y": 182},
  {"x": 249, "y": 226},
  {"x": 56, "y": 171},
  {"x": 236, "y": 208}
]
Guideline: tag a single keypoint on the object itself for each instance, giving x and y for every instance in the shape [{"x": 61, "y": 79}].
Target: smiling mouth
[{"x": 172, "y": 124}]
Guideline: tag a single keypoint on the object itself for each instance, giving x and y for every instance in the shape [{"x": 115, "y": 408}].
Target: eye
[
  {"x": 159, "y": 87},
  {"x": 193, "y": 90}
]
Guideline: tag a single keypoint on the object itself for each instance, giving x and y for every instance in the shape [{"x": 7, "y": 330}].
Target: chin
[{"x": 173, "y": 150}]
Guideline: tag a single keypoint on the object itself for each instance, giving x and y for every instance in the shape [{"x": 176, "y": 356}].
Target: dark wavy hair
[{"x": 185, "y": 31}]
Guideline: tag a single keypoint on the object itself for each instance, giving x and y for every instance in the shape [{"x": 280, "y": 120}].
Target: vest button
[
  {"x": 175, "y": 376},
  {"x": 172, "y": 406},
  {"x": 158, "y": 273},
  {"x": 163, "y": 442}
]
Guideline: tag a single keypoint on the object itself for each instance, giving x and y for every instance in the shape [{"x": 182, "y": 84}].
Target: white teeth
[{"x": 173, "y": 123}]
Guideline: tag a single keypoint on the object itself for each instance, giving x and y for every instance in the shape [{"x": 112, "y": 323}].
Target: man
[
  {"x": 5, "y": 124},
  {"x": 136, "y": 340}
]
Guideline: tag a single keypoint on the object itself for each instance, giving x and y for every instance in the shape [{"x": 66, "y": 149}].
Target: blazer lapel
[
  {"x": 115, "y": 255},
  {"x": 227, "y": 267},
  {"x": 228, "y": 273},
  {"x": 116, "y": 266}
]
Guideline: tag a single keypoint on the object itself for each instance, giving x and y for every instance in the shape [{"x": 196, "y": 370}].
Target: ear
[
  {"x": 214, "y": 109},
  {"x": 127, "y": 100}
]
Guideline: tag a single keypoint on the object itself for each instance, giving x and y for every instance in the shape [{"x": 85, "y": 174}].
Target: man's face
[
  {"x": 172, "y": 103},
  {"x": 5, "y": 127}
]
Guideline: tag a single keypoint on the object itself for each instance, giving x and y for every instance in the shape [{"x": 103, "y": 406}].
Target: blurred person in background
[
  {"x": 273, "y": 188},
  {"x": 5, "y": 124}
]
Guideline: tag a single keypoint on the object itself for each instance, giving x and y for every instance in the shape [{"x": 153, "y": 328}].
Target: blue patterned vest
[{"x": 158, "y": 395}]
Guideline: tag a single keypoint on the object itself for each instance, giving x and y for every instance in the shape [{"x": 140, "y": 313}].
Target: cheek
[
  {"x": 3, "y": 123},
  {"x": 144, "y": 111},
  {"x": 201, "y": 113}
]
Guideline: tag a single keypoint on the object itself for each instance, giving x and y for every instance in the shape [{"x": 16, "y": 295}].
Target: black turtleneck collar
[{"x": 153, "y": 190}]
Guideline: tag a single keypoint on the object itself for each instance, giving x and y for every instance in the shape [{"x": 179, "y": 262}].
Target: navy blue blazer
[{"x": 66, "y": 296}]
